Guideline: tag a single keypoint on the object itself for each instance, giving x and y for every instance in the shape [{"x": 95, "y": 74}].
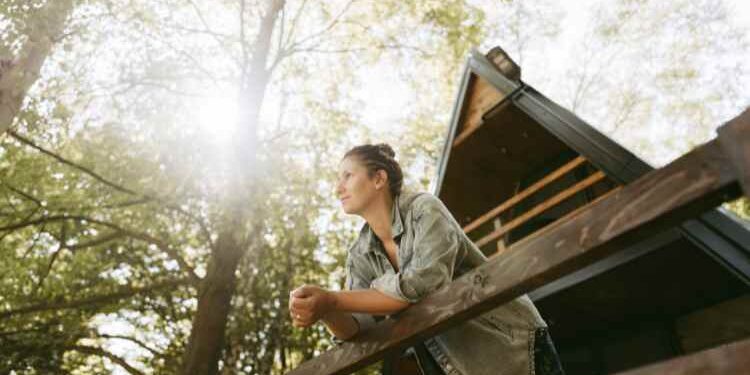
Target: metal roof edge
[{"x": 458, "y": 105}]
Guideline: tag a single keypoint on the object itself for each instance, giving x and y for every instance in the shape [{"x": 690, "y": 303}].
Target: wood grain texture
[
  {"x": 482, "y": 97},
  {"x": 734, "y": 137},
  {"x": 690, "y": 185},
  {"x": 724, "y": 360}
]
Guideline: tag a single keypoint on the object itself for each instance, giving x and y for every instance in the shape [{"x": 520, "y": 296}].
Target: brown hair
[{"x": 377, "y": 157}]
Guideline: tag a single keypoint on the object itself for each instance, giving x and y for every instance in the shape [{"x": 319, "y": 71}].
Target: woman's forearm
[
  {"x": 309, "y": 304},
  {"x": 369, "y": 301},
  {"x": 339, "y": 320},
  {"x": 341, "y": 324}
]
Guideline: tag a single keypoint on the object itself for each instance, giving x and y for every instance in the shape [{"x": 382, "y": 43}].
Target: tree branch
[
  {"x": 58, "y": 303},
  {"x": 61, "y": 245},
  {"x": 96, "y": 176},
  {"x": 162, "y": 245},
  {"x": 293, "y": 26},
  {"x": 335, "y": 21},
  {"x": 243, "y": 46},
  {"x": 215, "y": 35},
  {"x": 22, "y": 193},
  {"x": 69, "y": 163},
  {"x": 140, "y": 343},
  {"x": 36, "y": 238},
  {"x": 103, "y": 353},
  {"x": 42, "y": 32},
  {"x": 97, "y": 241},
  {"x": 293, "y": 47}
]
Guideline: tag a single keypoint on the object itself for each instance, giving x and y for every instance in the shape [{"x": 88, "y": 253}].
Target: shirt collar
[{"x": 397, "y": 225}]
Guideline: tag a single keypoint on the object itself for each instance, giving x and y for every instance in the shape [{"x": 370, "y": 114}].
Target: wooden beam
[
  {"x": 690, "y": 185},
  {"x": 569, "y": 166},
  {"x": 504, "y": 63},
  {"x": 543, "y": 231},
  {"x": 728, "y": 359},
  {"x": 734, "y": 137},
  {"x": 483, "y": 97},
  {"x": 544, "y": 206},
  {"x": 621, "y": 257}
]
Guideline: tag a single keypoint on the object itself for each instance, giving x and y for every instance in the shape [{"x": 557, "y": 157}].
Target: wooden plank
[
  {"x": 483, "y": 97},
  {"x": 659, "y": 200},
  {"x": 734, "y": 137},
  {"x": 729, "y": 359},
  {"x": 525, "y": 193},
  {"x": 712, "y": 326},
  {"x": 625, "y": 256},
  {"x": 543, "y": 231},
  {"x": 544, "y": 206}
]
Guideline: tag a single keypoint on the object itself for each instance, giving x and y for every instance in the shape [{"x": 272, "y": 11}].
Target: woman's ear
[{"x": 381, "y": 179}]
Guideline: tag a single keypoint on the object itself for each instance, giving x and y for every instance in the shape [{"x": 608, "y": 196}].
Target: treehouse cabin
[
  {"x": 515, "y": 162},
  {"x": 630, "y": 266}
]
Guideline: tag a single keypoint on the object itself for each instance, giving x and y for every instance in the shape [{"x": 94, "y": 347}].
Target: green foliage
[
  {"x": 741, "y": 207},
  {"x": 117, "y": 195}
]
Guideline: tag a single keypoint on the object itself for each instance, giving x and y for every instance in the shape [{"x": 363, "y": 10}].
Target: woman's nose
[{"x": 339, "y": 189}]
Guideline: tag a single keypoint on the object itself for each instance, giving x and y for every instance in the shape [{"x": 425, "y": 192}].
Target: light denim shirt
[{"x": 433, "y": 250}]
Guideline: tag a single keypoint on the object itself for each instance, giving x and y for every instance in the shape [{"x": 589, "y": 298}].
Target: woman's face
[{"x": 355, "y": 188}]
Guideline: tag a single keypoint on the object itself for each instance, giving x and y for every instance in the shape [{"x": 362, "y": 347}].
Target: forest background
[{"x": 167, "y": 166}]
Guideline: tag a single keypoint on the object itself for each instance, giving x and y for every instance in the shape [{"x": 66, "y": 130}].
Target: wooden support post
[
  {"x": 500, "y": 241},
  {"x": 692, "y": 184}
]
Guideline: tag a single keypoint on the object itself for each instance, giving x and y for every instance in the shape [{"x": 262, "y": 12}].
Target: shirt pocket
[{"x": 495, "y": 324}]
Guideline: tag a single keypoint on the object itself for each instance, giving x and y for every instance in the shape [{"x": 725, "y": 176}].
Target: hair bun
[{"x": 386, "y": 149}]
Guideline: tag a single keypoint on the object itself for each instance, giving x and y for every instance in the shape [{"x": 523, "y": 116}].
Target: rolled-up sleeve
[
  {"x": 356, "y": 279},
  {"x": 436, "y": 249}
]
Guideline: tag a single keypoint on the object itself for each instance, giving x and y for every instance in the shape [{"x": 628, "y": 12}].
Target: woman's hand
[{"x": 308, "y": 304}]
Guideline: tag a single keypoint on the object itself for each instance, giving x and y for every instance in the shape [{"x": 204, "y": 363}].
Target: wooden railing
[
  {"x": 518, "y": 198},
  {"x": 698, "y": 181},
  {"x": 538, "y": 209}
]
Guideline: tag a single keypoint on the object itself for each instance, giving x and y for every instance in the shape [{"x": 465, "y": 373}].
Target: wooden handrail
[
  {"x": 655, "y": 202},
  {"x": 569, "y": 166},
  {"x": 544, "y": 206}
]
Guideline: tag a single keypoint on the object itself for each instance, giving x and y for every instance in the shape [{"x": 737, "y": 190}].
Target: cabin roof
[{"x": 522, "y": 128}]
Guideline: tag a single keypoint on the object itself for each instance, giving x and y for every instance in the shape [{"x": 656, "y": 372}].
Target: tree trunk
[
  {"x": 19, "y": 73},
  {"x": 214, "y": 302},
  {"x": 215, "y": 295}
]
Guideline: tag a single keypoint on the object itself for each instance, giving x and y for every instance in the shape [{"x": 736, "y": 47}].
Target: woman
[{"x": 410, "y": 246}]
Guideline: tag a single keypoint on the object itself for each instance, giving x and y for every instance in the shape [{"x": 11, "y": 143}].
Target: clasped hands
[{"x": 309, "y": 303}]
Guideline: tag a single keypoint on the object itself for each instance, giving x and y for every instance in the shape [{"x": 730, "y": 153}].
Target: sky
[{"x": 383, "y": 91}]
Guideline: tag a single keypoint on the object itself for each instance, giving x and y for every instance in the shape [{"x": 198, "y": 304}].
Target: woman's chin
[{"x": 348, "y": 209}]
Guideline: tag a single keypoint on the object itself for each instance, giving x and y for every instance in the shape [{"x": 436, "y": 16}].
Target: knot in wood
[{"x": 480, "y": 280}]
